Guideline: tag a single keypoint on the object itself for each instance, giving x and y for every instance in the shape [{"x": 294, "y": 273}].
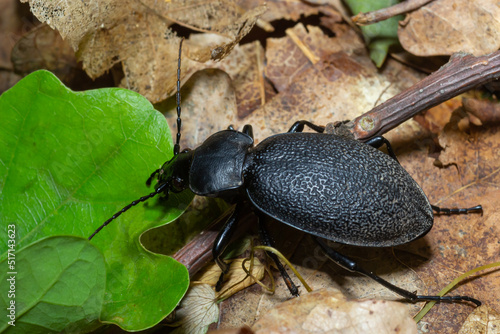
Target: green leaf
[
  {"x": 381, "y": 35},
  {"x": 69, "y": 161},
  {"x": 55, "y": 284}
]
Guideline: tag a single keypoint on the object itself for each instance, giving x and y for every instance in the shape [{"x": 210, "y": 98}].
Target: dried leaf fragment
[
  {"x": 328, "y": 311},
  {"x": 448, "y": 26},
  {"x": 486, "y": 111},
  {"x": 238, "y": 278},
  {"x": 245, "y": 67},
  {"x": 341, "y": 85},
  {"x": 198, "y": 310},
  {"x": 484, "y": 320},
  {"x": 43, "y": 47},
  {"x": 241, "y": 330},
  {"x": 138, "y": 35}
]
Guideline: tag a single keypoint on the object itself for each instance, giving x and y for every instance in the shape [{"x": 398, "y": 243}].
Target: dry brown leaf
[
  {"x": 343, "y": 84},
  {"x": 463, "y": 149},
  {"x": 328, "y": 311},
  {"x": 43, "y": 47},
  {"x": 320, "y": 272},
  {"x": 240, "y": 330},
  {"x": 12, "y": 26},
  {"x": 486, "y": 111},
  {"x": 447, "y": 26},
  {"x": 292, "y": 10},
  {"x": 483, "y": 320},
  {"x": 248, "y": 80},
  {"x": 10, "y": 31},
  {"x": 436, "y": 118},
  {"x": 245, "y": 67},
  {"x": 224, "y": 98},
  {"x": 137, "y": 34},
  {"x": 458, "y": 243}
]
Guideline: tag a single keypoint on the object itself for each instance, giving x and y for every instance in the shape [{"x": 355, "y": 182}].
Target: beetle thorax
[{"x": 217, "y": 165}]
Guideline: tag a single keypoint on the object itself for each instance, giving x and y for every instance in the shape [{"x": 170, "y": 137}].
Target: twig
[
  {"x": 198, "y": 252},
  {"x": 195, "y": 254},
  {"x": 304, "y": 48},
  {"x": 364, "y": 19},
  {"x": 461, "y": 73}
]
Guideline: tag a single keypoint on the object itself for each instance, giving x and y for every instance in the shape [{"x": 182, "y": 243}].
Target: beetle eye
[{"x": 178, "y": 183}]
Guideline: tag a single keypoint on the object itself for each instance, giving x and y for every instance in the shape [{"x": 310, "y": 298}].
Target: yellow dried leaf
[{"x": 238, "y": 279}]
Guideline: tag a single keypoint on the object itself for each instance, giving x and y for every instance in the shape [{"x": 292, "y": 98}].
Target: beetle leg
[
  {"x": 378, "y": 141},
  {"x": 299, "y": 127},
  {"x": 222, "y": 241},
  {"x": 148, "y": 182},
  {"x": 268, "y": 241},
  {"x": 248, "y": 130},
  {"x": 445, "y": 211},
  {"x": 350, "y": 265}
]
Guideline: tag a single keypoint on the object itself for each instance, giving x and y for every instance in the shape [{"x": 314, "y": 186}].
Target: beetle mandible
[{"x": 328, "y": 185}]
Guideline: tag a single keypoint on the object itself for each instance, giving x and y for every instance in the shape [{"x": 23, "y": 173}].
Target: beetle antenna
[
  {"x": 142, "y": 199},
  {"x": 178, "y": 99}
]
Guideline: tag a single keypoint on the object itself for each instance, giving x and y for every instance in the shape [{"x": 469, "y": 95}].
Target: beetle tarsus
[
  {"x": 268, "y": 241},
  {"x": 349, "y": 264},
  {"x": 450, "y": 299},
  {"x": 458, "y": 211}
]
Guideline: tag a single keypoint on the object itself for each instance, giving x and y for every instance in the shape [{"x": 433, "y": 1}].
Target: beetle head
[{"x": 174, "y": 173}]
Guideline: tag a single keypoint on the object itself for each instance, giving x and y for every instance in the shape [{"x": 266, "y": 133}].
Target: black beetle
[{"x": 327, "y": 185}]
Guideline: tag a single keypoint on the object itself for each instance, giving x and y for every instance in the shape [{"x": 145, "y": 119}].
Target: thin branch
[
  {"x": 462, "y": 73},
  {"x": 364, "y": 19},
  {"x": 198, "y": 252}
]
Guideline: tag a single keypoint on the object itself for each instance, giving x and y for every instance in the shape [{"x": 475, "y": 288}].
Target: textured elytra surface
[{"x": 336, "y": 188}]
